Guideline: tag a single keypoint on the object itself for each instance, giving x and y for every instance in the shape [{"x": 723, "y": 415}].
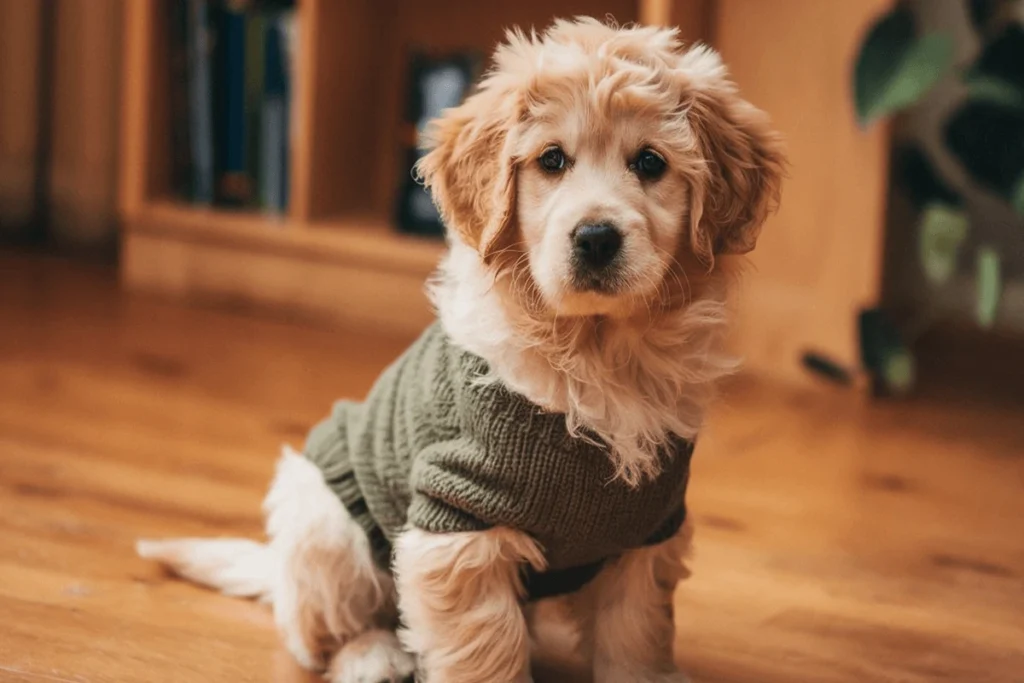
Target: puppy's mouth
[{"x": 608, "y": 282}]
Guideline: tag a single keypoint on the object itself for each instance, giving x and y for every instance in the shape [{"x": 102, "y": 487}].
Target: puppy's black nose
[{"x": 596, "y": 245}]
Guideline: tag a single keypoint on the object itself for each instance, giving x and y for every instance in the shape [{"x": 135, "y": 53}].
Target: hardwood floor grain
[{"x": 838, "y": 540}]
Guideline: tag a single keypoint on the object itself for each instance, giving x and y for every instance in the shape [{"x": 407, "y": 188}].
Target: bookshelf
[{"x": 334, "y": 255}]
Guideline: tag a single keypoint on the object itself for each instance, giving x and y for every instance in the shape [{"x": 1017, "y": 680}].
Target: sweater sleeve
[{"x": 451, "y": 493}]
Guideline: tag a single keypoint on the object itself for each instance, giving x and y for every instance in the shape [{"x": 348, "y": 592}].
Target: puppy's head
[{"x": 602, "y": 162}]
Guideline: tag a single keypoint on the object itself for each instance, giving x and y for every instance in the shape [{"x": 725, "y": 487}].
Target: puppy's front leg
[
  {"x": 460, "y": 595},
  {"x": 627, "y": 615}
]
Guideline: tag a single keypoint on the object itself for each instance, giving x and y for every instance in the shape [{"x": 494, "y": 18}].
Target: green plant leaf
[
  {"x": 899, "y": 371},
  {"x": 1018, "y": 196},
  {"x": 895, "y": 68},
  {"x": 986, "y": 13},
  {"x": 988, "y": 284},
  {"x": 986, "y": 88},
  {"x": 988, "y": 141},
  {"x": 883, "y": 352},
  {"x": 917, "y": 175},
  {"x": 981, "y": 12},
  {"x": 942, "y": 230},
  {"x": 1002, "y": 55}
]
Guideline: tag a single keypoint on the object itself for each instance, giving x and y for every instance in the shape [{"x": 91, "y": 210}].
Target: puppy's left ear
[
  {"x": 744, "y": 161},
  {"x": 470, "y": 169}
]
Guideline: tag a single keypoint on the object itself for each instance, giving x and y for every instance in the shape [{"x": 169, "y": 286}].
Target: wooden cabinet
[
  {"x": 20, "y": 22},
  {"x": 335, "y": 256},
  {"x": 820, "y": 259}
]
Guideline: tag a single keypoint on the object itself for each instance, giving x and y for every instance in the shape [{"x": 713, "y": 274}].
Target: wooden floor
[{"x": 837, "y": 540}]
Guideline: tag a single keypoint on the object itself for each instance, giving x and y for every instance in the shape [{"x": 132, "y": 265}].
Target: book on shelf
[
  {"x": 182, "y": 172},
  {"x": 231, "y": 84},
  {"x": 234, "y": 186},
  {"x": 255, "y": 30},
  {"x": 275, "y": 111},
  {"x": 192, "y": 109}
]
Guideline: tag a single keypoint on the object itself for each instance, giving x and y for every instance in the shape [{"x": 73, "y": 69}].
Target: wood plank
[
  {"x": 338, "y": 93},
  {"x": 355, "y": 270},
  {"x": 304, "y": 106},
  {"x": 355, "y": 239},
  {"x": 693, "y": 18},
  {"x": 819, "y": 260},
  {"x": 137, "y": 106},
  {"x": 231, "y": 275},
  {"x": 86, "y": 124},
  {"x": 838, "y": 540},
  {"x": 20, "y": 22},
  {"x": 655, "y": 12}
]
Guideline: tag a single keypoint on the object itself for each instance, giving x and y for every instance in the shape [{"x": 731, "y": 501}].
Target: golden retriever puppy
[{"x": 535, "y": 443}]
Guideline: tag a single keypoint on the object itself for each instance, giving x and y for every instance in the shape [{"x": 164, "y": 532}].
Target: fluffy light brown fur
[
  {"x": 461, "y": 596},
  {"x": 630, "y": 365},
  {"x": 627, "y": 617},
  {"x": 638, "y": 365}
]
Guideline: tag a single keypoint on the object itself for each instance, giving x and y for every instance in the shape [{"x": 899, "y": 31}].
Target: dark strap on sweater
[
  {"x": 550, "y": 584},
  {"x": 538, "y": 585}
]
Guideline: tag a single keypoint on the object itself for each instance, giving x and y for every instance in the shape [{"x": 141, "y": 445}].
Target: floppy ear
[
  {"x": 744, "y": 157},
  {"x": 470, "y": 168}
]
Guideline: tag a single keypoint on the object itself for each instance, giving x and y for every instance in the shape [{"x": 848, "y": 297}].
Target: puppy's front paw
[{"x": 373, "y": 657}]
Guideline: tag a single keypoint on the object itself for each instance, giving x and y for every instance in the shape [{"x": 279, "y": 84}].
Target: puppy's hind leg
[
  {"x": 317, "y": 571},
  {"x": 327, "y": 591}
]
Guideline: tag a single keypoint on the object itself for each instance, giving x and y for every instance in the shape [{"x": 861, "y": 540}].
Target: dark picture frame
[{"x": 435, "y": 83}]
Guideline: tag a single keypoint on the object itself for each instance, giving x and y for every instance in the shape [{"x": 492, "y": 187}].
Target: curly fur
[
  {"x": 628, "y": 367},
  {"x": 460, "y": 599},
  {"x": 631, "y": 369}
]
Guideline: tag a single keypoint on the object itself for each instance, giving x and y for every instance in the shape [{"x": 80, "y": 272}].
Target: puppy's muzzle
[{"x": 595, "y": 254}]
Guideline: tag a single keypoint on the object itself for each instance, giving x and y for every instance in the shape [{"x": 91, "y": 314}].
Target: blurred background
[
  {"x": 206, "y": 214},
  {"x": 258, "y": 153}
]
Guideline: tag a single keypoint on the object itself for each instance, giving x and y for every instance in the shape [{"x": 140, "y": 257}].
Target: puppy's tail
[{"x": 233, "y": 566}]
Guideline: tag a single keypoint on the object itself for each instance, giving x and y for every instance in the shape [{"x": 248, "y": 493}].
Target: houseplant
[{"x": 898, "y": 65}]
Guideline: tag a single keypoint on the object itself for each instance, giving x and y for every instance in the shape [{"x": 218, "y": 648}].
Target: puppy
[{"x": 535, "y": 442}]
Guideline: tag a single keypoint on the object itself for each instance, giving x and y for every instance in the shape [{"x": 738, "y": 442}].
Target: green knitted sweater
[{"x": 435, "y": 447}]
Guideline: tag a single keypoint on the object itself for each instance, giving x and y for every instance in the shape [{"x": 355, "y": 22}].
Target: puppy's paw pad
[{"x": 373, "y": 657}]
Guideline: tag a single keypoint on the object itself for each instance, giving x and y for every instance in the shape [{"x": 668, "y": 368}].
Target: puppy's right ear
[{"x": 470, "y": 168}]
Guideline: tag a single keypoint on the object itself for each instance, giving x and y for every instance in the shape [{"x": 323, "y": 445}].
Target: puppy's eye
[
  {"x": 552, "y": 160},
  {"x": 649, "y": 165}
]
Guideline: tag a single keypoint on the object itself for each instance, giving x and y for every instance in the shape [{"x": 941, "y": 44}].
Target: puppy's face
[
  {"x": 601, "y": 202},
  {"x": 594, "y": 162}
]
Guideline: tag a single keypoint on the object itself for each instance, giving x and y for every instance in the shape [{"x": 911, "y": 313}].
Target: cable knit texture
[{"x": 437, "y": 446}]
